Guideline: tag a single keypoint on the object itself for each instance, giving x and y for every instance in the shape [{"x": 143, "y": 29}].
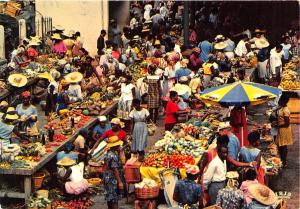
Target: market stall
[{"x": 28, "y": 169}]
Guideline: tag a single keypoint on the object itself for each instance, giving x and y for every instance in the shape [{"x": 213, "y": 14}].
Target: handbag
[{"x": 151, "y": 128}]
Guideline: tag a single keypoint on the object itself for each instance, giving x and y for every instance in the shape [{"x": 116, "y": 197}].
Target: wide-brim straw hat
[
  {"x": 224, "y": 125},
  {"x": 56, "y": 36},
  {"x": 157, "y": 42},
  {"x": 261, "y": 43},
  {"x": 219, "y": 37},
  {"x": 4, "y": 103},
  {"x": 66, "y": 162},
  {"x": 34, "y": 43},
  {"x": 259, "y": 31},
  {"x": 232, "y": 175},
  {"x": 220, "y": 45},
  {"x": 117, "y": 121},
  {"x": 46, "y": 75},
  {"x": 114, "y": 141},
  {"x": 102, "y": 118},
  {"x": 262, "y": 194},
  {"x": 35, "y": 39},
  {"x": 136, "y": 37},
  {"x": 181, "y": 89},
  {"x": 59, "y": 28},
  {"x": 17, "y": 80},
  {"x": 74, "y": 77},
  {"x": 11, "y": 114}
]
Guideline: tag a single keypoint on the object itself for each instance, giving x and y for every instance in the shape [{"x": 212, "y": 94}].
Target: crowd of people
[{"x": 153, "y": 39}]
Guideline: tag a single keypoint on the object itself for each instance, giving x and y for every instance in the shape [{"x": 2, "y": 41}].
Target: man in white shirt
[
  {"x": 276, "y": 55},
  {"x": 215, "y": 175},
  {"x": 241, "y": 49}
]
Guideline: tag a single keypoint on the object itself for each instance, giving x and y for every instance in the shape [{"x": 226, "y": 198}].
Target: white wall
[{"x": 86, "y": 16}]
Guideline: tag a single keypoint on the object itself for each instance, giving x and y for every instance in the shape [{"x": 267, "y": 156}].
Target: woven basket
[
  {"x": 132, "y": 174},
  {"x": 38, "y": 180},
  {"x": 146, "y": 193}
]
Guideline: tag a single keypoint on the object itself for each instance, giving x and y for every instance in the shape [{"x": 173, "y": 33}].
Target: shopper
[
  {"x": 284, "y": 136},
  {"x": 27, "y": 112},
  {"x": 154, "y": 92},
  {"x": 101, "y": 41},
  {"x": 100, "y": 128},
  {"x": 113, "y": 176},
  {"x": 187, "y": 192},
  {"x": 139, "y": 118},
  {"x": 215, "y": 175},
  {"x": 172, "y": 110}
]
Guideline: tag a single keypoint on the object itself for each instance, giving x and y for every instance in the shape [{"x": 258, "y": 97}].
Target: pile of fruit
[
  {"x": 82, "y": 203},
  {"x": 162, "y": 160},
  {"x": 290, "y": 76}
]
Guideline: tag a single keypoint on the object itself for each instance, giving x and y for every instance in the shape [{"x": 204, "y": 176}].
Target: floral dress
[{"x": 112, "y": 193}]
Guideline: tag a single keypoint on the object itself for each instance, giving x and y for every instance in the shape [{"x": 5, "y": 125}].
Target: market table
[{"x": 28, "y": 173}]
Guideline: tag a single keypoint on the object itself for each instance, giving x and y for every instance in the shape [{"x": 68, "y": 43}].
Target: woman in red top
[
  {"x": 172, "y": 110},
  {"x": 116, "y": 130},
  {"x": 238, "y": 122}
]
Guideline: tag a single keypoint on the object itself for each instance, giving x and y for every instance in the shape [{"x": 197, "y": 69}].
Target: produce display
[
  {"x": 290, "y": 76},
  {"x": 162, "y": 160}
]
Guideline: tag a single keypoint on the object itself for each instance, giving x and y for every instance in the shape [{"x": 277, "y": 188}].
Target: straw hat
[
  {"x": 3, "y": 104},
  {"x": 34, "y": 43},
  {"x": 66, "y": 162},
  {"x": 191, "y": 169},
  {"x": 11, "y": 114},
  {"x": 114, "y": 141},
  {"x": 59, "y": 27},
  {"x": 261, "y": 43},
  {"x": 35, "y": 39},
  {"x": 17, "y": 80},
  {"x": 74, "y": 77},
  {"x": 102, "y": 118},
  {"x": 262, "y": 194},
  {"x": 232, "y": 175},
  {"x": 117, "y": 121},
  {"x": 219, "y": 37},
  {"x": 181, "y": 89},
  {"x": 46, "y": 75},
  {"x": 136, "y": 37},
  {"x": 56, "y": 36},
  {"x": 220, "y": 45},
  {"x": 157, "y": 42},
  {"x": 224, "y": 125},
  {"x": 259, "y": 31},
  {"x": 69, "y": 34}
]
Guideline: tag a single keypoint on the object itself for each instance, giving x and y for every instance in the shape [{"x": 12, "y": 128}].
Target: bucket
[
  {"x": 38, "y": 180},
  {"x": 43, "y": 193}
]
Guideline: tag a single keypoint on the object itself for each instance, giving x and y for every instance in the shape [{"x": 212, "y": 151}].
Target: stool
[{"x": 148, "y": 203}]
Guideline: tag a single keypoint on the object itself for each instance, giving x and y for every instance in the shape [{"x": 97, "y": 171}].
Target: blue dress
[
  {"x": 61, "y": 104},
  {"x": 99, "y": 130},
  {"x": 206, "y": 49},
  {"x": 30, "y": 111},
  {"x": 189, "y": 192},
  {"x": 5, "y": 133},
  {"x": 112, "y": 161},
  {"x": 249, "y": 154}
]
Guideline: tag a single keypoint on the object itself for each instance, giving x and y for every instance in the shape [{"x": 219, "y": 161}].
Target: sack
[{"x": 151, "y": 128}]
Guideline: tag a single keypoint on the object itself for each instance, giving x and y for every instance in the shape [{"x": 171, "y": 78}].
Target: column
[
  {"x": 2, "y": 43},
  {"x": 22, "y": 30}
]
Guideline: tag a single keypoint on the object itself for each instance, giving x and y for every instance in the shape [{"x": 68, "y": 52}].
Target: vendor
[
  {"x": 20, "y": 59},
  {"x": 3, "y": 108},
  {"x": 67, "y": 152},
  {"x": 31, "y": 51},
  {"x": 139, "y": 118},
  {"x": 77, "y": 184},
  {"x": 116, "y": 130},
  {"x": 26, "y": 110},
  {"x": 63, "y": 97},
  {"x": 215, "y": 175},
  {"x": 113, "y": 176},
  {"x": 183, "y": 71},
  {"x": 172, "y": 110},
  {"x": 81, "y": 141},
  {"x": 186, "y": 191},
  {"x": 250, "y": 178},
  {"x": 102, "y": 127},
  {"x": 52, "y": 91},
  {"x": 74, "y": 90},
  {"x": 238, "y": 122},
  {"x": 7, "y": 126},
  {"x": 58, "y": 47}
]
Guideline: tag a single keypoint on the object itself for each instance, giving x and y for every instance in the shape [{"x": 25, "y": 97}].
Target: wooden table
[{"x": 28, "y": 173}]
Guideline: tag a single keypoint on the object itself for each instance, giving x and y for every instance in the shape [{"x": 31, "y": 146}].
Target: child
[{"x": 172, "y": 110}]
